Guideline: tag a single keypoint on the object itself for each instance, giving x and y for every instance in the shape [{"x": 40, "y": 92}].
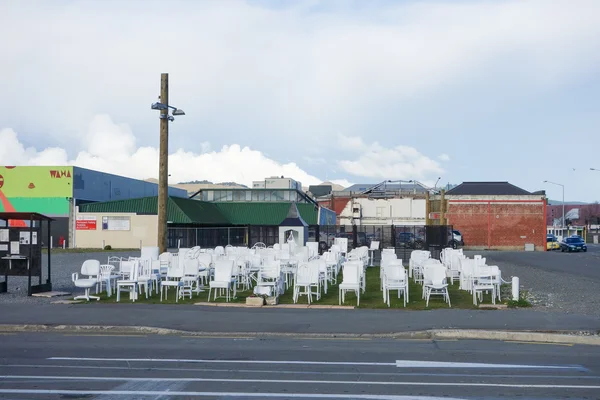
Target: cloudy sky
[{"x": 353, "y": 91}]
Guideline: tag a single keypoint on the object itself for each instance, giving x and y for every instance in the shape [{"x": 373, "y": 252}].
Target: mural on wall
[{"x": 45, "y": 190}]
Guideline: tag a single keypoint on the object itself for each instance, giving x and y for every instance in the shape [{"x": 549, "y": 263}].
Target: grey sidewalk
[{"x": 221, "y": 319}]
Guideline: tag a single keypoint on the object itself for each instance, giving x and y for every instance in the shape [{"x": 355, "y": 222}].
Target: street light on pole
[
  {"x": 163, "y": 159},
  {"x": 563, "y": 202},
  {"x": 594, "y": 169}
]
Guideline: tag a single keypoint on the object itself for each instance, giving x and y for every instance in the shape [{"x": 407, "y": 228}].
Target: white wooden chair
[
  {"x": 223, "y": 279},
  {"x": 351, "y": 281},
  {"x": 131, "y": 283},
  {"x": 395, "y": 278},
  {"x": 173, "y": 279}
]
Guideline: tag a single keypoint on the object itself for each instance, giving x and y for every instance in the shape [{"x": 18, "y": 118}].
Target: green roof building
[{"x": 132, "y": 223}]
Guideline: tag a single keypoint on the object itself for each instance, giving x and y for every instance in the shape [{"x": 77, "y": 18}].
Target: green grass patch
[
  {"x": 372, "y": 298},
  {"x": 521, "y": 303}
]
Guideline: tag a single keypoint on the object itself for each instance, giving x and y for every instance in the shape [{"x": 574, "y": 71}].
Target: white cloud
[
  {"x": 285, "y": 79},
  {"x": 111, "y": 147},
  {"x": 314, "y": 160},
  {"x": 444, "y": 157},
  {"x": 352, "y": 143},
  {"x": 238, "y": 67},
  {"x": 398, "y": 162}
]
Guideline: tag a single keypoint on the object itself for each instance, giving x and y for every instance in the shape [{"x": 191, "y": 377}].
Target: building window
[
  {"x": 116, "y": 223},
  {"x": 220, "y": 195},
  {"x": 277, "y": 195},
  {"x": 379, "y": 212},
  {"x": 239, "y": 195}
]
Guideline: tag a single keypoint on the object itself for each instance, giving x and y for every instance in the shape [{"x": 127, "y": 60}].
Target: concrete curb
[
  {"x": 558, "y": 337},
  {"x": 302, "y": 306}
]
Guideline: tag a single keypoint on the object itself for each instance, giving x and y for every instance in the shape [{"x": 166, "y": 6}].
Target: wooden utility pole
[
  {"x": 442, "y": 207},
  {"x": 427, "y": 209},
  {"x": 163, "y": 165}
]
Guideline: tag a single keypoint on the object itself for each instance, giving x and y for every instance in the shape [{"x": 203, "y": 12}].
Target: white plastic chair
[
  {"x": 91, "y": 269},
  {"x": 436, "y": 278},
  {"x": 107, "y": 278}
]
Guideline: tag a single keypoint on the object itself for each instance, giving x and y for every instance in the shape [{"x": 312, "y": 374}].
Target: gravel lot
[
  {"x": 562, "y": 282},
  {"x": 63, "y": 265}
]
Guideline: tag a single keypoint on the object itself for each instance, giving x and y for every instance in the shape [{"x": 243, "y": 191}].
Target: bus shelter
[{"x": 21, "y": 249}]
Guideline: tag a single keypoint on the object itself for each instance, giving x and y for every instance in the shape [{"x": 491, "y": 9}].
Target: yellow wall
[
  {"x": 142, "y": 228},
  {"x": 37, "y": 181}
]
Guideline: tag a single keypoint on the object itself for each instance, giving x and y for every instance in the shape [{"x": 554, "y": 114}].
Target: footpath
[{"x": 195, "y": 319}]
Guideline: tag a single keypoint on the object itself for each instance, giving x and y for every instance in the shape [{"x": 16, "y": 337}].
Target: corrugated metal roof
[
  {"x": 487, "y": 189},
  {"x": 179, "y": 210},
  {"x": 200, "y": 212},
  {"x": 405, "y": 187},
  {"x": 267, "y": 213}
]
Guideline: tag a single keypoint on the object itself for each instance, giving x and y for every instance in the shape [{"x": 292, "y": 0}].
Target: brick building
[{"x": 497, "y": 215}]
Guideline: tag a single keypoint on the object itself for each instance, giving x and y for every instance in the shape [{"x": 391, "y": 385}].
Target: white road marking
[
  {"x": 184, "y": 360},
  {"x": 398, "y": 363},
  {"x": 147, "y": 386},
  {"x": 223, "y": 394},
  {"x": 324, "y": 382},
  {"x": 301, "y": 372},
  {"x": 442, "y": 364}
]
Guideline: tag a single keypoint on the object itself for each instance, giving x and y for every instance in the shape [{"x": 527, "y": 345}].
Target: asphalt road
[
  {"x": 193, "y": 318},
  {"x": 52, "y": 366}
]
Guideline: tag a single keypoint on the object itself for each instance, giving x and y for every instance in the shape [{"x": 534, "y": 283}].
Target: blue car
[{"x": 573, "y": 243}]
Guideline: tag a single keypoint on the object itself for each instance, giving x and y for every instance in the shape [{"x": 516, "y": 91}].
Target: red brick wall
[{"x": 499, "y": 225}]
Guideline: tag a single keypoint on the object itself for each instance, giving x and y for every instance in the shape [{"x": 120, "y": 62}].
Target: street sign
[
  {"x": 85, "y": 223},
  {"x": 435, "y": 215}
]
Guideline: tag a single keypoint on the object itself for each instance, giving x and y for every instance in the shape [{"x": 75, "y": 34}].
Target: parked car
[
  {"x": 552, "y": 243},
  {"x": 408, "y": 239},
  {"x": 456, "y": 240},
  {"x": 573, "y": 243}
]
